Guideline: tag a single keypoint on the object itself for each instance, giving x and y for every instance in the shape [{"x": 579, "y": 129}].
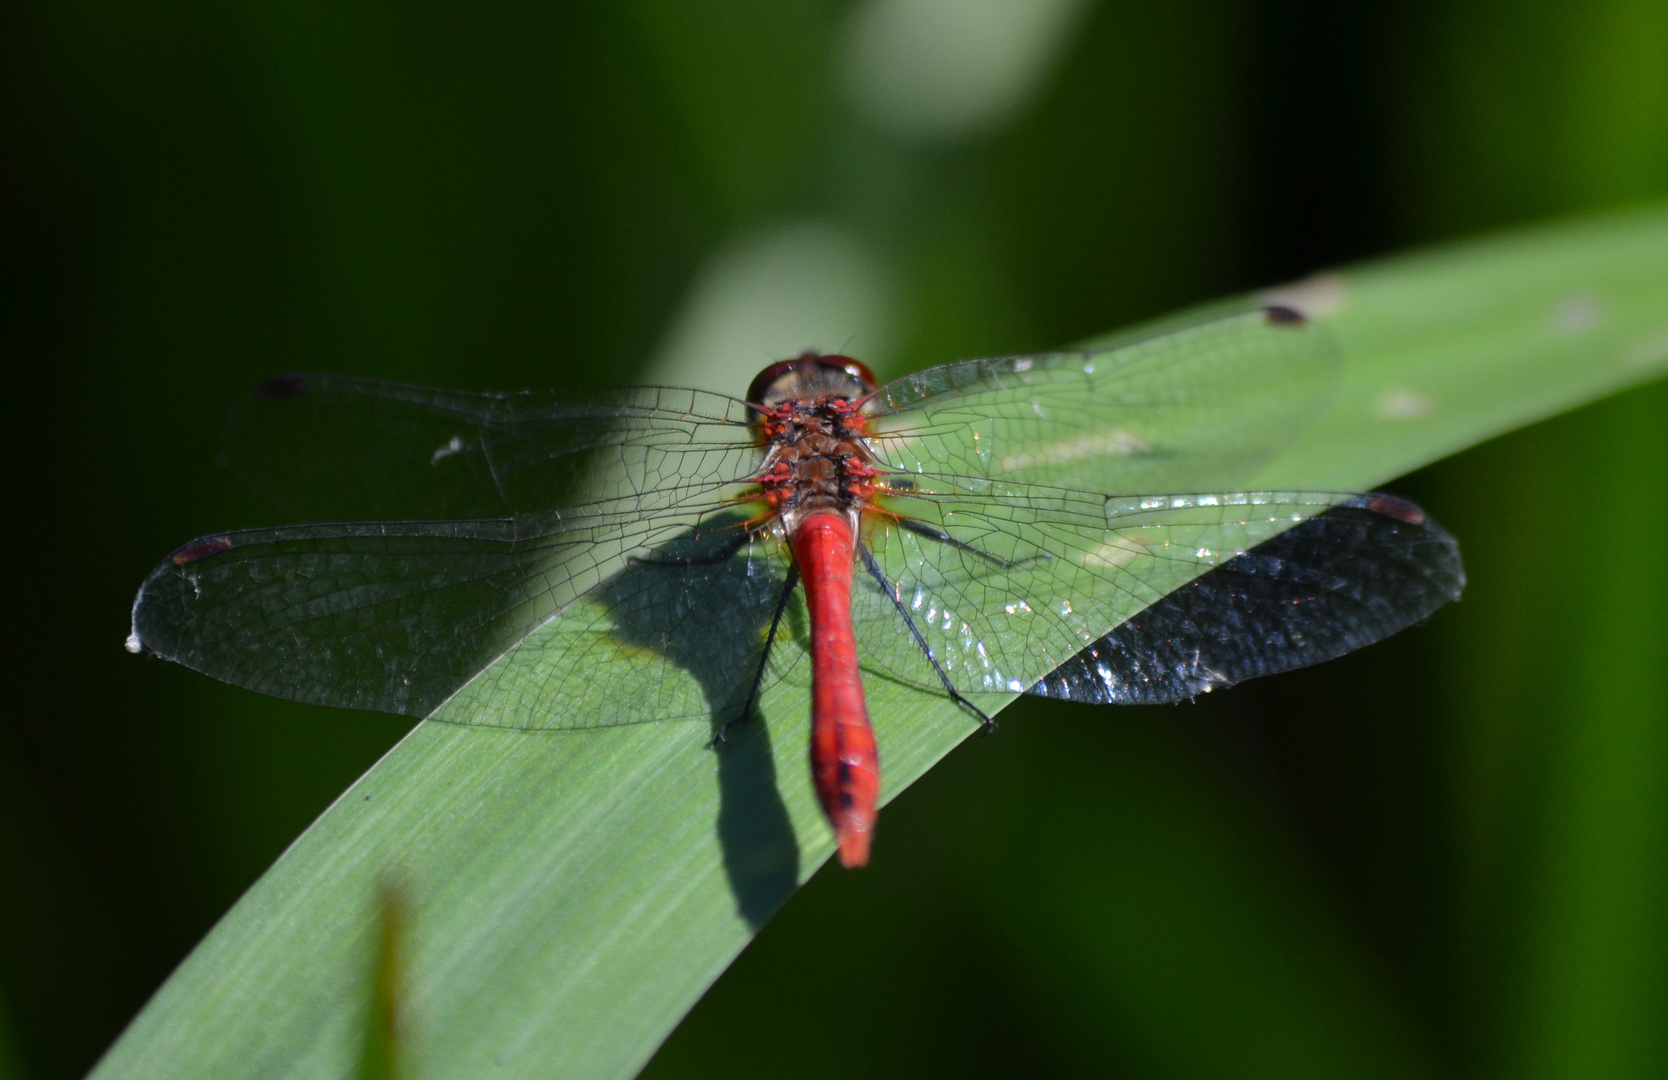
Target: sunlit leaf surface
[{"x": 571, "y": 895}]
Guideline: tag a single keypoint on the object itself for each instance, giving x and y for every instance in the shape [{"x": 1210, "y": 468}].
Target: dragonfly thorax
[{"x": 811, "y": 424}]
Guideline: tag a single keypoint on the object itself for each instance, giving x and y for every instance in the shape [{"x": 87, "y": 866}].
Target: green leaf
[{"x": 570, "y": 895}]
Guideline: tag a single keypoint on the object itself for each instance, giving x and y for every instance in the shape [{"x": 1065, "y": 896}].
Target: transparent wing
[
  {"x": 1193, "y": 410},
  {"x": 1022, "y": 580},
  {"x": 574, "y": 512},
  {"x": 630, "y": 619},
  {"x": 1352, "y": 575},
  {"x": 334, "y": 448}
]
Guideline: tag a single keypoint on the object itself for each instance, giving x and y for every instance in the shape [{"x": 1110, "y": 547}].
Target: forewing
[
  {"x": 1193, "y": 410},
  {"x": 1348, "y": 577},
  {"x": 657, "y": 618},
  {"x": 336, "y": 448},
  {"x": 1024, "y": 579}
]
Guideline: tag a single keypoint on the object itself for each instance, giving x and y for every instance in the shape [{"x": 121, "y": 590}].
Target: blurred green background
[{"x": 1443, "y": 856}]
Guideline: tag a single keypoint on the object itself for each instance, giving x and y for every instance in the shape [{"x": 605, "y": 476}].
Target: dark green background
[{"x": 1442, "y": 856}]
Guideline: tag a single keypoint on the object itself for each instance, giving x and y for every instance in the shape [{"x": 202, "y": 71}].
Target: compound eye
[
  {"x": 767, "y": 378},
  {"x": 810, "y": 375},
  {"x": 857, "y": 369}
]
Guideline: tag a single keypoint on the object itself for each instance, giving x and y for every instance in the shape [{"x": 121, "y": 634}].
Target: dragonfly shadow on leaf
[{"x": 705, "y": 606}]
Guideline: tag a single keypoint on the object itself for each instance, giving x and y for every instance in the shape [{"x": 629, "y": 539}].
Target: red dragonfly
[{"x": 1070, "y": 525}]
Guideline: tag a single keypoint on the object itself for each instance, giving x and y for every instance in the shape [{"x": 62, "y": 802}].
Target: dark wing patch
[{"x": 1346, "y": 578}]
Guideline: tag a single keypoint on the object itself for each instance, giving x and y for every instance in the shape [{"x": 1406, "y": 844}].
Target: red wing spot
[
  {"x": 1280, "y": 315},
  {"x": 198, "y": 550},
  {"x": 1400, "y": 509},
  {"x": 281, "y": 388}
]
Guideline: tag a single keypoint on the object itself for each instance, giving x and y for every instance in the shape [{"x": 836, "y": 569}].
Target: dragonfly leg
[
  {"x": 943, "y": 537},
  {"x": 746, "y": 713},
  {"x": 875, "y": 572}
]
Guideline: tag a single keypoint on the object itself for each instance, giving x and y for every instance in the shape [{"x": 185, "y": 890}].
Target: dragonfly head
[{"x": 811, "y": 377}]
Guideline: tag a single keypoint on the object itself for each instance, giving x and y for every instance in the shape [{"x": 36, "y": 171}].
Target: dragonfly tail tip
[{"x": 854, "y": 848}]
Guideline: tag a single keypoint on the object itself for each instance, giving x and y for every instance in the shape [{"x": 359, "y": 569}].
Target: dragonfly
[{"x": 1071, "y": 525}]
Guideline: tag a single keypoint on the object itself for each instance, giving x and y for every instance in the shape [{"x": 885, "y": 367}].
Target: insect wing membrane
[
  {"x": 1026, "y": 577},
  {"x": 337, "y": 448},
  {"x": 397, "y": 616},
  {"x": 1195, "y": 410},
  {"x": 1348, "y": 577},
  {"x": 400, "y": 617}
]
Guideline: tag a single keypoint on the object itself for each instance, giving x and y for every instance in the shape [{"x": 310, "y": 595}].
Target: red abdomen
[{"x": 844, "y": 765}]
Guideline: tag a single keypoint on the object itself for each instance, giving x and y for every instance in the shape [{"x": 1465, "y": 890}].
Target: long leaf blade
[{"x": 573, "y": 894}]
